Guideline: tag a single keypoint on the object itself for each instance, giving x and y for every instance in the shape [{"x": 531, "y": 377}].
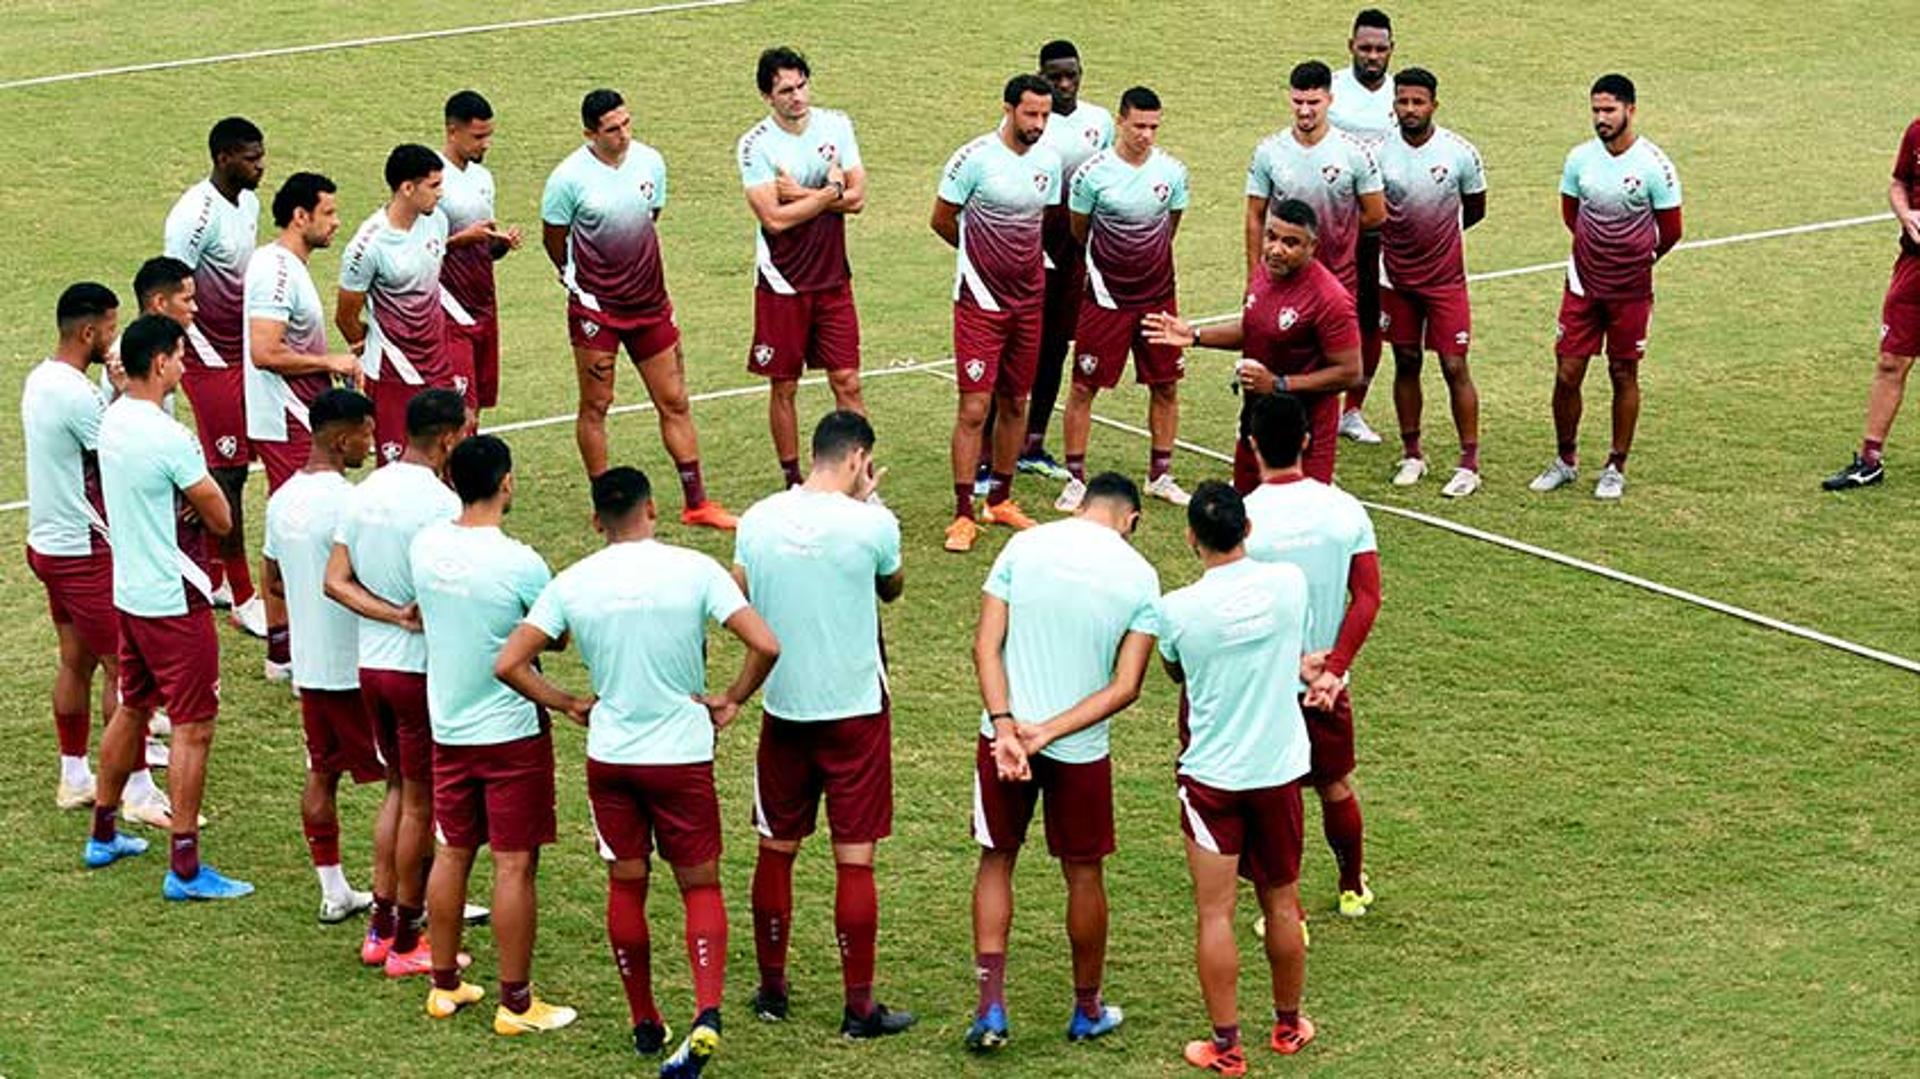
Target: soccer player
[
  {"x": 390, "y": 306},
  {"x": 287, "y": 363},
  {"x": 1126, "y": 204},
  {"x": 67, "y": 542},
  {"x": 492, "y": 748},
  {"x": 803, "y": 175},
  {"x": 169, "y": 652},
  {"x": 1076, "y": 131},
  {"x": 639, "y": 610},
  {"x": 1363, "y": 107},
  {"x": 368, "y": 573},
  {"x": 993, "y": 195},
  {"x": 1297, "y": 334},
  {"x": 1899, "y": 322},
  {"x": 301, "y": 519},
  {"x": 161, "y": 286},
  {"x": 1235, "y": 641},
  {"x": 1436, "y": 190},
  {"x": 1620, "y": 197},
  {"x": 475, "y": 241},
  {"x": 1333, "y": 173},
  {"x": 812, "y": 560},
  {"x": 598, "y": 224},
  {"x": 212, "y": 229},
  {"x": 1066, "y": 628},
  {"x": 1326, "y": 532}
]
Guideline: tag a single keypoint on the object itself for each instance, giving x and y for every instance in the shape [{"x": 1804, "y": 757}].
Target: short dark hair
[
  {"x": 410, "y": 161},
  {"x": 774, "y": 61},
  {"x": 1277, "y": 422},
  {"x": 231, "y": 135},
  {"x": 466, "y": 106},
  {"x": 1372, "y": 18},
  {"x": 1023, "y": 84},
  {"x": 302, "y": 191},
  {"x": 161, "y": 273},
  {"x": 1311, "y": 75},
  {"x": 1218, "y": 516},
  {"x": 617, "y": 492},
  {"x": 150, "y": 337},
  {"x": 1058, "y": 49},
  {"x": 433, "y": 412},
  {"x": 1139, "y": 98},
  {"x": 83, "y": 301},
  {"x": 1417, "y": 76},
  {"x": 478, "y": 467},
  {"x": 1295, "y": 212},
  {"x": 1614, "y": 84},
  {"x": 1114, "y": 486},
  {"x": 337, "y": 405},
  {"x": 596, "y": 105},
  {"x": 839, "y": 433}
]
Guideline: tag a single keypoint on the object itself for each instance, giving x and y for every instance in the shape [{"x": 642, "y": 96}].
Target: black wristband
[{"x": 999, "y": 715}]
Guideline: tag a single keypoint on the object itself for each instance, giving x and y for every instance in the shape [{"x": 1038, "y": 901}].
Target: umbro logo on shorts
[
  {"x": 1288, "y": 318},
  {"x": 1089, "y": 363},
  {"x": 1461, "y": 338},
  {"x": 591, "y": 329},
  {"x": 762, "y": 355},
  {"x": 976, "y": 370},
  {"x": 227, "y": 445},
  {"x": 1885, "y": 330}
]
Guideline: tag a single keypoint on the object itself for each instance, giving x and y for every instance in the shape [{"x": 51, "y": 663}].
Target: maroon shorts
[
  {"x": 499, "y": 795},
  {"x": 396, "y": 707},
  {"x": 807, "y": 329},
  {"x": 1079, "y": 806},
  {"x": 171, "y": 663},
  {"x": 219, "y": 399},
  {"x": 645, "y": 334},
  {"x": 1262, "y": 826},
  {"x": 339, "y": 735},
  {"x": 850, "y": 761},
  {"x": 283, "y": 459},
  {"x": 391, "y": 396},
  {"x": 634, "y": 805},
  {"x": 1900, "y": 314},
  {"x": 996, "y": 351},
  {"x": 1589, "y": 326},
  {"x": 1330, "y": 737},
  {"x": 1323, "y": 423},
  {"x": 80, "y": 594},
  {"x": 1106, "y": 336},
  {"x": 475, "y": 353},
  {"x": 1439, "y": 319}
]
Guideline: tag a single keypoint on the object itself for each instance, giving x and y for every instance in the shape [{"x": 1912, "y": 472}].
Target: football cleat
[
  {"x": 206, "y": 885},
  {"x": 961, "y": 534},
  {"x": 334, "y": 910},
  {"x": 1355, "y": 904},
  {"x": 1164, "y": 488},
  {"x": 1612, "y": 484},
  {"x": 100, "y": 855},
  {"x": 989, "y": 1031},
  {"x": 1465, "y": 481},
  {"x": 1288, "y": 1040},
  {"x": 878, "y": 1023},
  {"x": 538, "y": 1018},
  {"x": 1354, "y": 426},
  {"x": 650, "y": 1038},
  {"x": 1207, "y": 1056},
  {"x": 1043, "y": 465},
  {"x": 1860, "y": 473},
  {"x": 769, "y": 1006},
  {"x": 442, "y": 1003},
  {"x": 708, "y": 514},
  {"x": 250, "y": 617},
  {"x": 374, "y": 949},
  {"x": 1409, "y": 471},
  {"x": 1554, "y": 476},
  {"x": 1006, "y": 513},
  {"x": 701, "y": 1043},
  {"x": 1082, "y": 1029},
  {"x": 74, "y": 796}
]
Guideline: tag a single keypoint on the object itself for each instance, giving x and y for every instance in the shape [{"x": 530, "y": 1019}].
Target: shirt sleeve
[
  {"x": 1146, "y": 615},
  {"x": 743, "y": 536},
  {"x": 1080, "y": 192},
  {"x": 1106, "y": 132},
  {"x": 1169, "y": 637},
  {"x": 532, "y": 578},
  {"x": 268, "y": 547},
  {"x": 185, "y": 466},
  {"x": 183, "y": 238},
  {"x": 357, "y": 265},
  {"x": 1570, "y": 175},
  {"x": 1259, "y": 179},
  {"x": 1177, "y": 199},
  {"x": 268, "y": 294},
  {"x": 756, "y": 167},
  {"x": 659, "y": 165},
  {"x": 849, "y": 146},
  {"x": 1337, "y": 323},
  {"x": 886, "y": 545},
  {"x": 558, "y": 200},
  {"x": 83, "y": 420},
  {"x": 1000, "y": 578},
  {"x": 1663, "y": 182},
  {"x": 1472, "y": 172},
  {"x": 1056, "y": 191},
  {"x": 549, "y": 612},
  {"x": 723, "y": 598},
  {"x": 957, "y": 180},
  {"x": 1364, "y": 540},
  {"x": 1366, "y": 171}
]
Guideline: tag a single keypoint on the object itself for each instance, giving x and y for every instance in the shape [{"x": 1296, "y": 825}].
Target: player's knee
[
  {"x": 1164, "y": 393},
  {"x": 1338, "y": 790},
  {"x": 972, "y": 411},
  {"x": 1454, "y": 369},
  {"x": 193, "y": 736},
  {"x": 1406, "y": 361},
  {"x": 1011, "y": 406},
  {"x": 1895, "y": 367},
  {"x": 703, "y": 875},
  {"x": 1623, "y": 372},
  {"x": 858, "y": 854},
  {"x": 628, "y": 869},
  {"x": 780, "y": 846},
  {"x": 594, "y": 405}
]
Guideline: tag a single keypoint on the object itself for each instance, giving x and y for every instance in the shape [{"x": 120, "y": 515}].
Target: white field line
[
  {"x": 1521, "y": 546},
  {"x": 363, "y": 42},
  {"x": 1685, "y": 245}
]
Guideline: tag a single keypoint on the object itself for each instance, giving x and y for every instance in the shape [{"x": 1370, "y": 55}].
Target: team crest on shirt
[
  {"x": 1288, "y": 318},
  {"x": 762, "y": 355},
  {"x": 828, "y": 151},
  {"x": 227, "y": 445},
  {"x": 1331, "y": 173},
  {"x": 1439, "y": 174},
  {"x": 646, "y": 190},
  {"x": 1040, "y": 182},
  {"x": 1091, "y": 136},
  {"x": 1089, "y": 363},
  {"x": 976, "y": 370},
  {"x": 436, "y": 248},
  {"x": 1162, "y": 191},
  {"x": 1632, "y": 183}
]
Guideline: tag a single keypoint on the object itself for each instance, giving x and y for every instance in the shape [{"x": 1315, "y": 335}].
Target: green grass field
[{"x": 1610, "y": 832}]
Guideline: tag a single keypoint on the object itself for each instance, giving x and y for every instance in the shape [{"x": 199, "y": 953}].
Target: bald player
[{"x": 212, "y": 229}]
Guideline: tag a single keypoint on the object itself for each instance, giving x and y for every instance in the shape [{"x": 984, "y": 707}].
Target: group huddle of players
[{"x": 410, "y": 625}]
